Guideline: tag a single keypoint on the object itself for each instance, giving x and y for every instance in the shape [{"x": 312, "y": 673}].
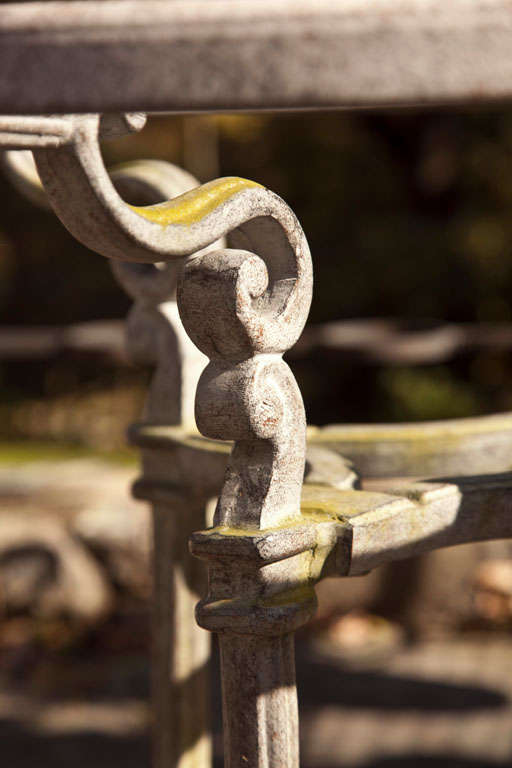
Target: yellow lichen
[
  {"x": 301, "y": 594},
  {"x": 191, "y": 207},
  {"x": 451, "y": 429}
]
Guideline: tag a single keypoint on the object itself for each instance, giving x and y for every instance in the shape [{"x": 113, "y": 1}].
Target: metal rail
[{"x": 108, "y": 55}]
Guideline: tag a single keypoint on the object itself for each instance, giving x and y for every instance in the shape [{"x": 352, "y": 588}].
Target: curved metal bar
[
  {"x": 242, "y": 308},
  {"x": 21, "y": 171},
  {"x": 392, "y": 341},
  {"x": 470, "y": 446},
  {"x": 146, "y": 181},
  {"x": 86, "y": 201},
  {"x": 400, "y": 520},
  {"x": 154, "y": 332},
  {"x": 149, "y": 182},
  {"x": 189, "y": 56}
]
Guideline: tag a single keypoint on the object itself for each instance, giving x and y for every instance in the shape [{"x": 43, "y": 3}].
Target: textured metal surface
[
  {"x": 243, "y": 309},
  {"x": 470, "y": 446},
  {"x": 107, "y": 55},
  {"x": 349, "y": 532},
  {"x": 272, "y": 540}
]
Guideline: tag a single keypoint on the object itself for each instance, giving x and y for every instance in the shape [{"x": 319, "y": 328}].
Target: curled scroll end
[
  {"x": 234, "y": 313},
  {"x": 232, "y": 310},
  {"x": 216, "y": 295}
]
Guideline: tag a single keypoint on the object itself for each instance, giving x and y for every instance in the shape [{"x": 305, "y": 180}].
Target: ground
[
  {"x": 433, "y": 704},
  {"x": 81, "y": 696}
]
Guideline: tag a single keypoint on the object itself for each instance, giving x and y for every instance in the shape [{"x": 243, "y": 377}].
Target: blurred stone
[
  {"x": 84, "y": 515},
  {"x": 495, "y": 576},
  {"x": 436, "y": 704},
  {"x": 122, "y": 541},
  {"x": 493, "y": 591},
  {"x": 46, "y": 572},
  {"x": 357, "y": 635},
  {"x": 335, "y": 596},
  {"x": 95, "y": 418},
  {"x": 326, "y": 467},
  {"x": 441, "y": 594}
]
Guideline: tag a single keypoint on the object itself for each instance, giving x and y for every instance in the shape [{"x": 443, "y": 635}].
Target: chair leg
[
  {"x": 181, "y": 649},
  {"x": 259, "y": 701}
]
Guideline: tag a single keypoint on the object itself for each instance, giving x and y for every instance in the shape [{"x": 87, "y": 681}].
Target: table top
[{"x": 213, "y": 55}]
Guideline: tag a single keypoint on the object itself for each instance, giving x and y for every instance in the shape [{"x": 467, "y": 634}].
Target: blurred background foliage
[{"x": 407, "y": 215}]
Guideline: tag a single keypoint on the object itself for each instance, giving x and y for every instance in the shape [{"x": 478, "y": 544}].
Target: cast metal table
[{"x": 67, "y": 73}]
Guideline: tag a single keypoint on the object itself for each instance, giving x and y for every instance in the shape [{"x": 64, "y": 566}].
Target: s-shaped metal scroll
[{"x": 243, "y": 309}]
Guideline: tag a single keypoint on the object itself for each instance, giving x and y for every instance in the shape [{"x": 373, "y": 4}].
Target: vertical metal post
[
  {"x": 181, "y": 651},
  {"x": 244, "y": 313},
  {"x": 259, "y": 699},
  {"x": 243, "y": 309}
]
